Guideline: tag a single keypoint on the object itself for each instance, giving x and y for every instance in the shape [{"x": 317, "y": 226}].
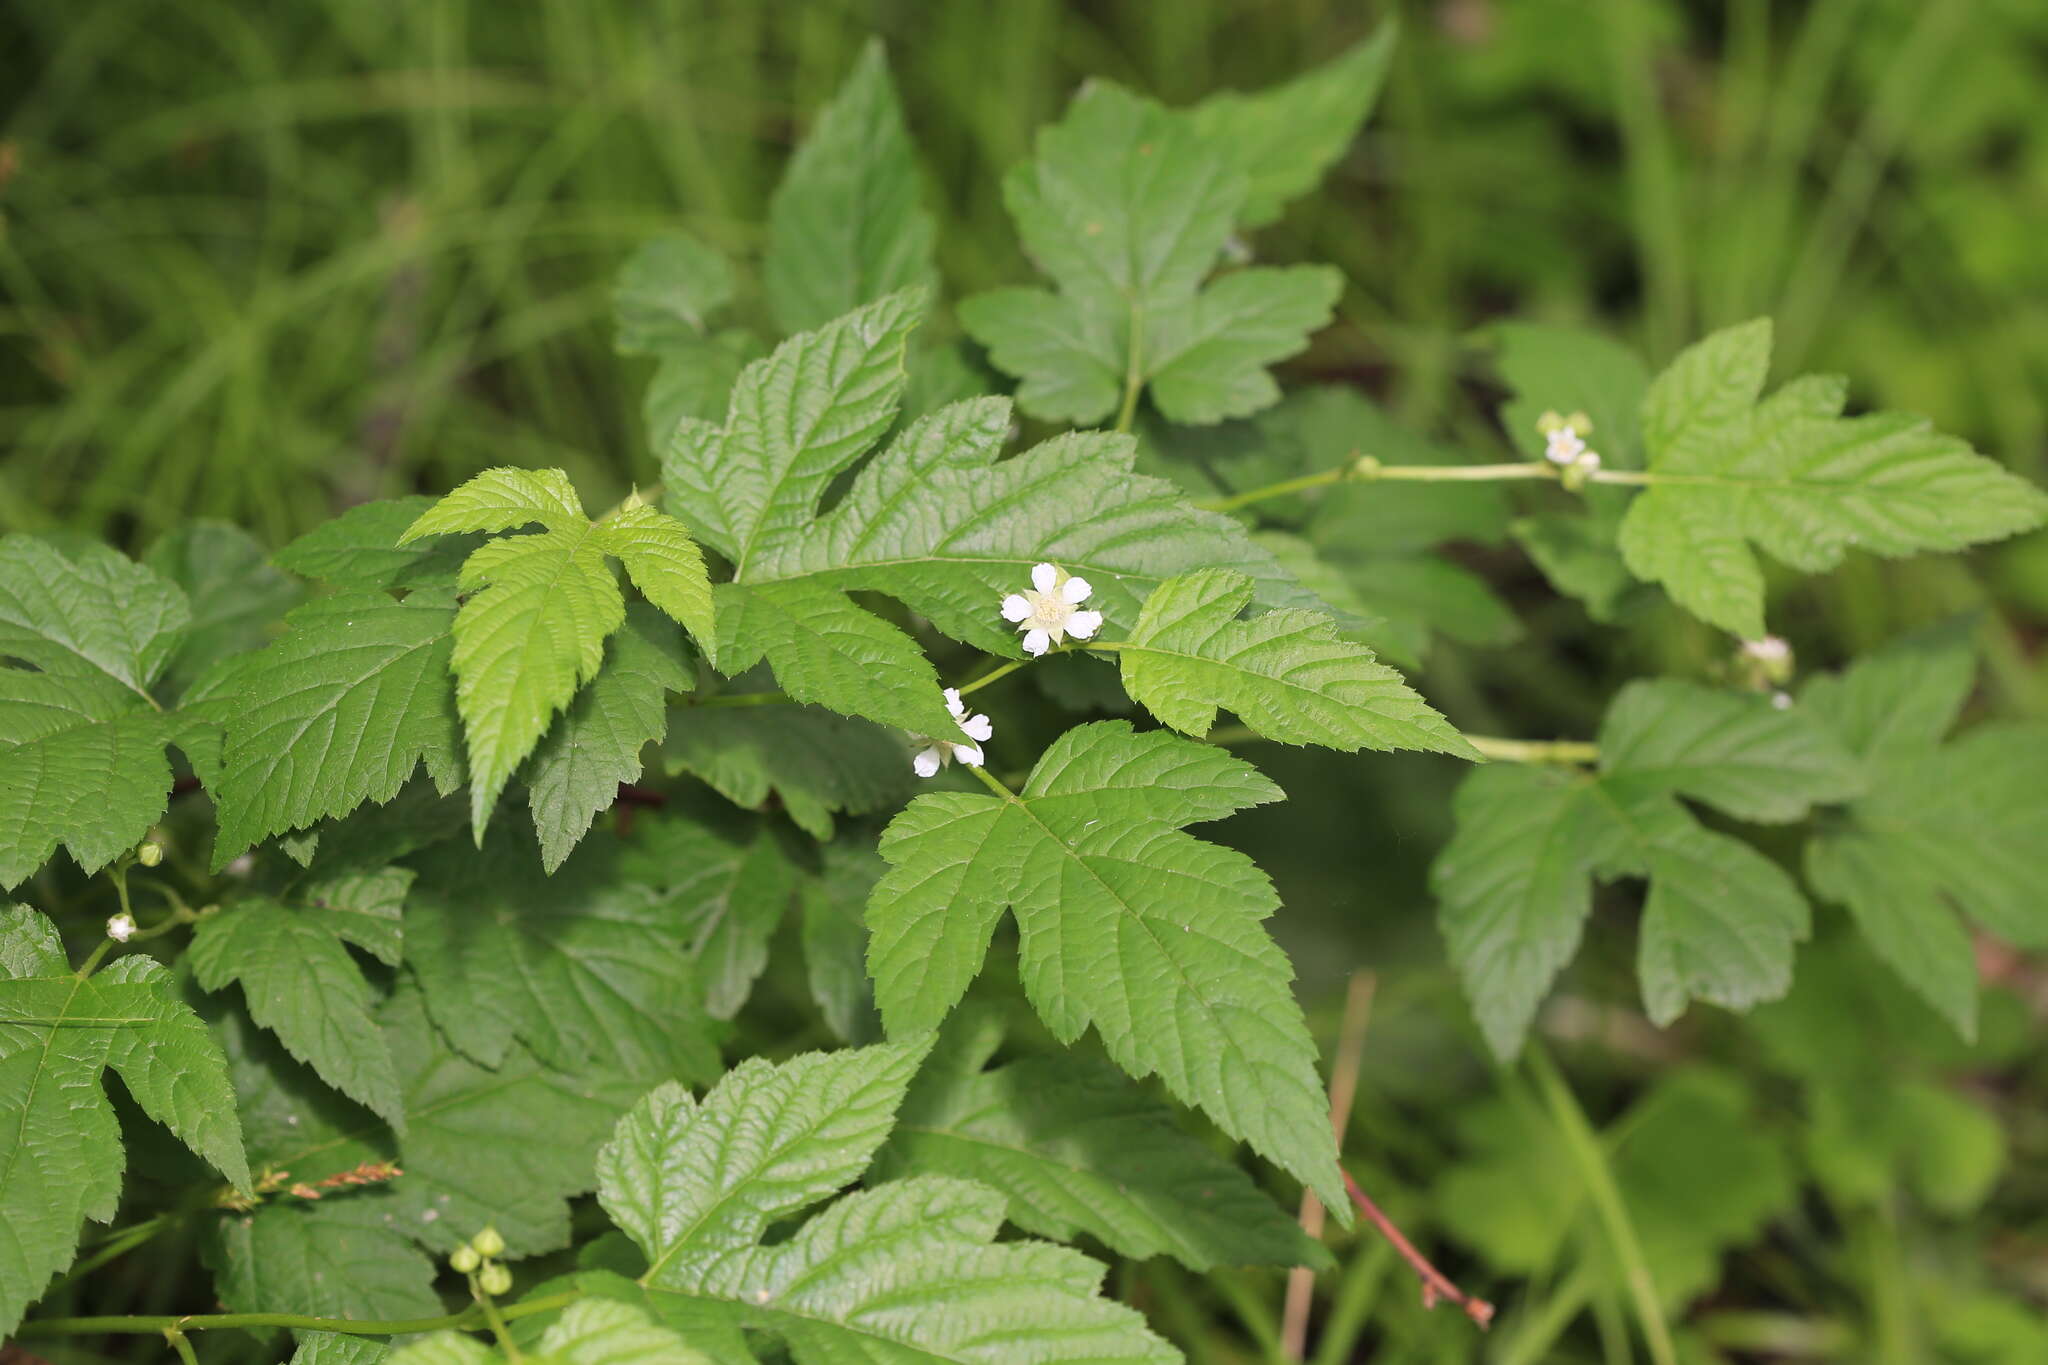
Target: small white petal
[
  {"x": 1083, "y": 624},
  {"x": 927, "y": 762},
  {"x": 1015, "y": 608},
  {"x": 1036, "y": 642},
  {"x": 954, "y": 704},
  {"x": 121, "y": 927},
  {"x": 1044, "y": 577},
  {"x": 1075, "y": 590},
  {"x": 978, "y": 727},
  {"x": 970, "y": 754}
]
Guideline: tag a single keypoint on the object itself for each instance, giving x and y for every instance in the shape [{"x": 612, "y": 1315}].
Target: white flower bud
[{"x": 121, "y": 927}]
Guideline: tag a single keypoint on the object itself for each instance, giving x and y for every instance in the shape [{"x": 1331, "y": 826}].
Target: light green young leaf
[
  {"x": 815, "y": 762},
  {"x": 665, "y": 293},
  {"x": 81, "y": 740},
  {"x": 1128, "y": 208},
  {"x": 541, "y": 606},
  {"x": 845, "y": 226},
  {"x": 301, "y": 984},
  {"x": 1126, "y": 923},
  {"x": 1285, "y": 139},
  {"x": 1945, "y": 829},
  {"x": 1076, "y": 1148},
  {"x": 174, "y": 1069},
  {"x": 909, "y": 1271},
  {"x": 1797, "y": 479},
  {"x": 1286, "y": 674},
  {"x": 1734, "y": 750},
  {"x": 576, "y": 770},
  {"x": 587, "y": 967},
  {"x": 60, "y": 1147}
]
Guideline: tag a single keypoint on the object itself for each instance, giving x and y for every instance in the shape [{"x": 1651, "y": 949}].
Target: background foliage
[{"x": 264, "y": 262}]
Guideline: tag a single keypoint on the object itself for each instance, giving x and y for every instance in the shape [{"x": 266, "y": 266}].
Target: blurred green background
[{"x": 263, "y": 260}]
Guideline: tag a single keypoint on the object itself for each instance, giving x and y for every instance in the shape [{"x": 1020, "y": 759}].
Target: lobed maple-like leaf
[
  {"x": 1125, "y": 922},
  {"x": 1128, "y": 208}
]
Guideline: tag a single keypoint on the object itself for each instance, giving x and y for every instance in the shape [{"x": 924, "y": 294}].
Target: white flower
[
  {"x": 934, "y": 754},
  {"x": 1050, "y": 611},
  {"x": 1771, "y": 649},
  {"x": 1563, "y": 446},
  {"x": 121, "y": 927},
  {"x": 1782, "y": 700}
]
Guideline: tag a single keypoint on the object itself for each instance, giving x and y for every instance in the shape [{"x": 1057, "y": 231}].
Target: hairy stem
[{"x": 1435, "y": 1284}]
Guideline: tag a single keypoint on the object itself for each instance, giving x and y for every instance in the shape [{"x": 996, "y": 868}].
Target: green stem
[
  {"x": 119, "y": 1245},
  {"x": 1134, "y": 372},
  {"x": 1368, "y": 469},
  {"x": 1591, "y": 1158},
  {"x": 496, "y": 1322},
  {"x": 1000, "y": 671},
  {"x": 993, "y": 783},
  {"x": 181, "y": 1346},
  {"x": 1568, "y": 751},
  {"x": 151, "y": 1324}
]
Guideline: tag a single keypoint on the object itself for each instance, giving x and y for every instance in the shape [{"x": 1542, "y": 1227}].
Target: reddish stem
[{"x": 1434, "y": 1284}]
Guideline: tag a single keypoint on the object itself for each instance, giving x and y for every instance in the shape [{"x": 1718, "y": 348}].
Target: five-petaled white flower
[
  {"x": 934, "y": 754},
  {"x": 1051, "y": 610},
  {"x": 1564, "y": 441},
  {"x": 121, "y": 927}
]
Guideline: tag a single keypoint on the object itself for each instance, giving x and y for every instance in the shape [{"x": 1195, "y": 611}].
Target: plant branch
[
  {"x": 1435, "y": 1285},
  {"x": 1344, "y": 1067},
  {"x": 1564, "y": 751},
  {"x": 151, "y": 1325}
]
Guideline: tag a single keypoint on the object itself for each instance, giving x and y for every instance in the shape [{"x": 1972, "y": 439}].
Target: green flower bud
[
  {"x": 488, "y": 1243},
  {"x": 494, "y": 1279},
  {"x": 465, "y": 1259},
  {"x": 150, "y": 853}
]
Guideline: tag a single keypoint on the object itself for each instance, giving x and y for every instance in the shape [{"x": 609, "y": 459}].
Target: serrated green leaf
[
  {"x": 939, "y": 522},
  {"x": 1569, "y": 369},
  {"x": 1286, "y": 138},
  {"x": 665, "y": 293},
  {"x": 541, "y": 606},
  {"x": 234, "y": 594},
  {"x": 1945, "y": 829},
  {"x": 816, "y": 763},
  {"x": 1797, "y": 479},
  {"x": 1127, "y": 208},
  {"x": 1734, "y": 750},
  {"x": 83, "y": 635},
  {"x": 1286, "y": 674},
  {"x": 1514, "y": 887},
  {"x": 362, "y": 549},
  {"x": 301, "y": 984},
  {"x": 175, "y": 1070},
  {"x": 340, "y": 711},
  {"x": 845, "y": 226},
  {"x": 60, "y": 1147},
  {"x": 827, "y": 651},
  {"x": 906, "y": 1272},
  {"x": 576, "y": 770},
  {"x": 693, "y": 382},
  {"x": 586, "y": 967},
  {"x": 333, "y": 1259},
  {"x": 1076, "y": 1148},
  {"x": 1126, "y": 923},
  {"x": 689, "y": 1180}
]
